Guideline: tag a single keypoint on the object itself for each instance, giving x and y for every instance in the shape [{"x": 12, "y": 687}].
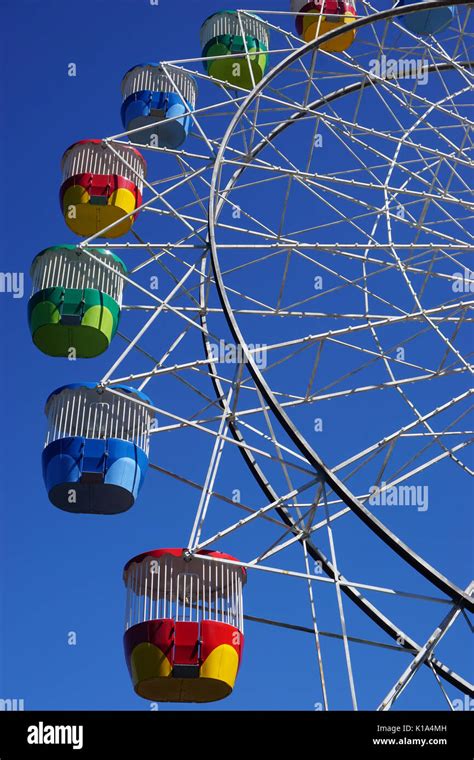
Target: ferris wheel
[{"x": 281, "y": 289}]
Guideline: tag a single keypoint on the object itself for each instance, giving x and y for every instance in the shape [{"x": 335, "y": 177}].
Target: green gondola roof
[
  {"x": 102, "y": 252},
  {"x": 233, "y": 12}
]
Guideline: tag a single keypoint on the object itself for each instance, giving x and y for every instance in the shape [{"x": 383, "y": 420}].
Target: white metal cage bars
[
  {"x": 82, "y": 412},
  {"x": 228, "y": 23},
  {"x": 297, "y": 7},
  {"x": 93, "y": 158},
  {"x": 59, "y": 269},
  {"x": 154, "y": 78},
  {"x": 157, "y": 589}
]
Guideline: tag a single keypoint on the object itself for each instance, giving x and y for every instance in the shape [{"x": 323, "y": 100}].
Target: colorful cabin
[
  {"x": 227, "y": 34},
  {"x": 183, "y": 625},
  {"x": 96, "y": 452},
  {"x": 431, "y": 21},
  {"x": 100, "y": 188},
  {"x": 75, "y": 306},
  {"x": 317, "y": 17},
  {"x": 158, "y": 102}
]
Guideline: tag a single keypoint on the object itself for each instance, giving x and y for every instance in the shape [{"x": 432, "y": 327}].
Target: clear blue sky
[{"x": 62, "y": 573}]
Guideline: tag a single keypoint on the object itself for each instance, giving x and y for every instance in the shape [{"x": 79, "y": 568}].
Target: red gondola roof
[
  {"x": 98, "y": 142},
  {"x": 179, "y": 553}
]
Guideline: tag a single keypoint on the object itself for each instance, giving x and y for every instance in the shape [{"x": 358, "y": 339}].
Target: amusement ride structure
[{"x": 307, "y": 187}]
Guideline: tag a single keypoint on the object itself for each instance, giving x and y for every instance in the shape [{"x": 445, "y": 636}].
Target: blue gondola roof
[
  {"x": 127, "y": 388},
  {"x": 141, "y": 65},
  {"x": 159, "y": 65},
  {"x": 156, "y": 65}
]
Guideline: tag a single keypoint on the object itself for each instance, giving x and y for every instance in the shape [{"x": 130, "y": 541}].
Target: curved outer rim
[
  {"x": 418, "y": 563},
  {"x": 369, "y": 609}
]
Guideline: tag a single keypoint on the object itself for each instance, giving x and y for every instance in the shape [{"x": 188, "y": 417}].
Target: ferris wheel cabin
[
  {"x": 101, "y": 187},
  {"x": 226, "y": 38},
  {"x": 183, "y": 624},
  {"x": 431, "y": 21},
  {"x": 317, "y": 17},
  {"x": 159, "y": 100},
  {"x": 96, "y": 451},
  {"x": 76, "y": 300}
]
